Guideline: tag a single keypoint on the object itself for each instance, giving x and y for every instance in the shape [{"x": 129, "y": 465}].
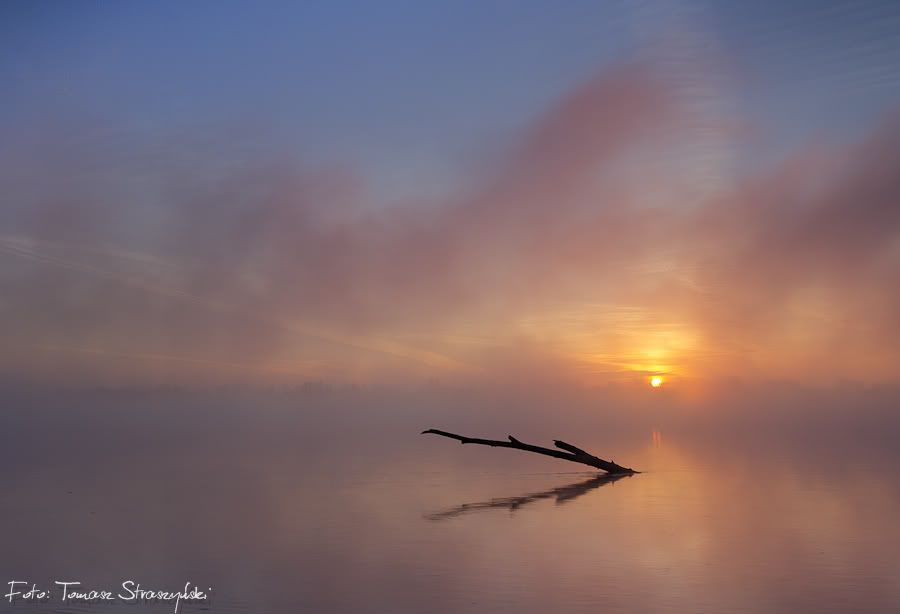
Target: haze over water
[
  {"x": 332, "y": 501},
  {"x": 250, "y": 250}
]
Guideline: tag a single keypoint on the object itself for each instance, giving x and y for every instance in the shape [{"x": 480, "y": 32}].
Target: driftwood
[
  {"x": 562, "y": 494},
  {"x": 566, "y": 451}
]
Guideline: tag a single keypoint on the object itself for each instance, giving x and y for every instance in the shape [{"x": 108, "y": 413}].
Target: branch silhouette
[{"x": 569, "y": 452}]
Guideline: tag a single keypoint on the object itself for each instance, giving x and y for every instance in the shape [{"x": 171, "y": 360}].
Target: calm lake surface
[{"x": 330, "y": 505}]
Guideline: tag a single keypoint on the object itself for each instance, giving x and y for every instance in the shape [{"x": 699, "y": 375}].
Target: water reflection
[
  {"x": 562, "y": 494},
  {"x": 257, "y": 505}
]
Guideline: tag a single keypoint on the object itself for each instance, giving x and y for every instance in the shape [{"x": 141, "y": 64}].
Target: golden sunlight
[{"x": 656, "y": 381}]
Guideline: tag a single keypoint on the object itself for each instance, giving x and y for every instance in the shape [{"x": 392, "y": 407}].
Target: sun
[{"x": 656, "y": 381}]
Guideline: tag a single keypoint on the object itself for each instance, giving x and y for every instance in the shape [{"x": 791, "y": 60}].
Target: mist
[{"x": 584, "y": 250}]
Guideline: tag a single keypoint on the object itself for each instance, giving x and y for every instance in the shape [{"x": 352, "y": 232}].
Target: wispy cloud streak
[{"x": 581, "y": 252}]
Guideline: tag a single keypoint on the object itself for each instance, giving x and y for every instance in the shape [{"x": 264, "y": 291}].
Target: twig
[{"x": 573, "y": 454}]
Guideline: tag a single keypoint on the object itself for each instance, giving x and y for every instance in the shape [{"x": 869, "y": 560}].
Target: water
[{"x": 338, "y": 505}]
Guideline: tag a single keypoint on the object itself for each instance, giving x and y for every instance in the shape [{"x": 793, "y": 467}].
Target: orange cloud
[{"x": 580, "y": 254}]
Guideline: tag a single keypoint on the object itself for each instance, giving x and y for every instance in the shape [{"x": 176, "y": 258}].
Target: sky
[{"x": 578, "y": 192}]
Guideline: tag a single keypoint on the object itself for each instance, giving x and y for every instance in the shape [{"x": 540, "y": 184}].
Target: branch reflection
[{"x": 562, "y": 494}]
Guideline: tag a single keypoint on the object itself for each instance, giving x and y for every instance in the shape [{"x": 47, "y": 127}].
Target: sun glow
[{"x": 656, "y": 381}]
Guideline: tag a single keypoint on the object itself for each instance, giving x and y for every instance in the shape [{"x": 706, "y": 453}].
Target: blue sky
[{"x": 407, "y": 92}]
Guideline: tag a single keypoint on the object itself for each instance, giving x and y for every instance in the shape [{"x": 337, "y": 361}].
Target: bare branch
[{"x": 573, "y": 454}]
